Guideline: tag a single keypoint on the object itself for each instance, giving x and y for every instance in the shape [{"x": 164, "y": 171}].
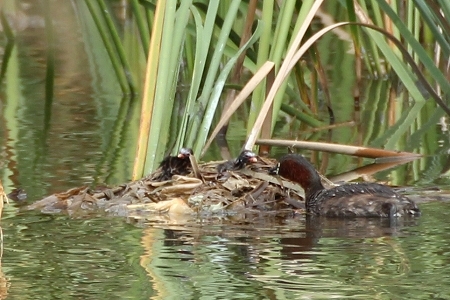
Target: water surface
[
  {"x": 56, "y": 257},
  {"x": 87, "y": 137}
]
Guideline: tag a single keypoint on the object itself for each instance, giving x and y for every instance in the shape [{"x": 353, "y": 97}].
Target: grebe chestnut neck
[{"x": 348, "y": 200}]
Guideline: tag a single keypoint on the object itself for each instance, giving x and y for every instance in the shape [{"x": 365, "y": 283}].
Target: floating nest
[{"x": 250, "y": 190}]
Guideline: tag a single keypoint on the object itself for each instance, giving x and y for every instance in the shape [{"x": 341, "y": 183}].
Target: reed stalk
[
  {"x": 110, "y": 49},
  {"x": 149, "y": 92}
]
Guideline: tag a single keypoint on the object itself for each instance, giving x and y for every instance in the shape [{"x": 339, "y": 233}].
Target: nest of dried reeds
[{"x": 205, "y": 194}]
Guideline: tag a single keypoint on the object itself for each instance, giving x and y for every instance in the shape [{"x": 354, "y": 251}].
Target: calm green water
[
  {"x": 88, "y": 137},
  {"x": 55, "y": 257}
]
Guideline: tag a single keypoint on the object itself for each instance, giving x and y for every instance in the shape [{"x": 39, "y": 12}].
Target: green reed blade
[
  {"x": 141, "y": 24},
  {"x": 110, "y": 49},
  {"x": 203, "y": 36},
  {"x": 212, "y": 71},
  {"x": 435, "y": 24},
  {"x": 263, "y": 55},
  {"x": 9, "y": 45},
  {"x": 117, "y": 43},
  {"x": 148, "y": 98},
  {"x": 217, "y": 91},
  {"x": 174, "y": 28},
  {"x": 50, "y": 71},
  {"x": 417, "y": 48}
]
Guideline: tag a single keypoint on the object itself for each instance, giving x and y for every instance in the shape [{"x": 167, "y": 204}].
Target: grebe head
[
  {"x": 185, "y": 152},
  {"x": 296, "y": 168},
  {"x": 246, "y": 157}
]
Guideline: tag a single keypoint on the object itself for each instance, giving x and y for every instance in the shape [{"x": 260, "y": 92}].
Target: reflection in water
[
  {"x": 90, "y": 137},
  {"x": 83, "y": 138},
  {"x": 280, "y": 258},
  {"x": 4, "y": 284},
  {"x": 53, "y": 257},
  {"x": 48, "y": 257}
]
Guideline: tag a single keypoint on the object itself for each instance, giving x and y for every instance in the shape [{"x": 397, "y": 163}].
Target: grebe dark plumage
[
  {"x": 244, "y": 158},
  {"x": 348, "y": 200},
  {"x": 175, "y": 165}
]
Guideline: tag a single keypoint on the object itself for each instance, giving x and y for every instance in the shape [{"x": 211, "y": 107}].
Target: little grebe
[
  {"x": 348, "y": 200},
  {"x": 246, "y": 157},
  {"x": 175, "y": 165}
]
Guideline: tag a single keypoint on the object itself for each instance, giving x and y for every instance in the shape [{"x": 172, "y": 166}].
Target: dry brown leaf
[
  {"x": 50, "y": 201},
  {"x": 158, "y": 183},
  {"x": 174, "y": 206},
  {"x": 233, "y": 183},
  {"x": 338, "y": 148},
  {"x": 185, "y": 179},
  {"x": 195, "y": 168},
  {"x": 71, "y": 192},
  {"x": 179, "y": 188}
]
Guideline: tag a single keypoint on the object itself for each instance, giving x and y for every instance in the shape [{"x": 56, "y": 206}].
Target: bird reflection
[{"x": 317, "y": 227}]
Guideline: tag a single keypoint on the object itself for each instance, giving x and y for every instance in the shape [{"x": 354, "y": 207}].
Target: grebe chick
[
  {"x": 246, "y": 157},
  {"x": 175, "y": 165}
]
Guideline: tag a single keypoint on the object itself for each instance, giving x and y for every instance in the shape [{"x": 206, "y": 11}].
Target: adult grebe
[{"x": 348, "y": 200}]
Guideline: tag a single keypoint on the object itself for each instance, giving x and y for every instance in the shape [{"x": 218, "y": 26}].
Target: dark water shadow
[
  {"x": 297, "y": 235},
  {"x": 265, "y": 254}
]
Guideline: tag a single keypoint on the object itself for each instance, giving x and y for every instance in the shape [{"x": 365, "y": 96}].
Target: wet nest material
[{"x": 247, "y": 191}]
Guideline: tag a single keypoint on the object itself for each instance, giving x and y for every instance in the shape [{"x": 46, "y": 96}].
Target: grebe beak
[{"x": 275, "y": 170}]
